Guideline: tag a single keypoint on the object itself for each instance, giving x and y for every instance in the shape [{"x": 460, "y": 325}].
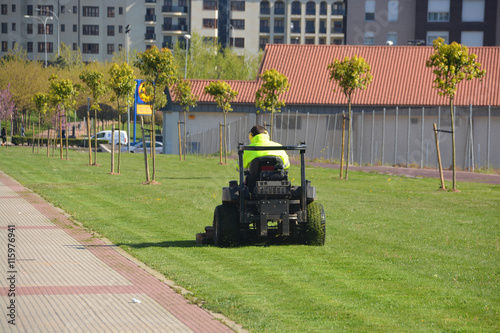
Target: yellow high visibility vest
[{"x": 263, "y": 140}]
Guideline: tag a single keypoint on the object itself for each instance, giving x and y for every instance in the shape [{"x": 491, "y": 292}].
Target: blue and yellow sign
[{"x": 142, "y": 100}]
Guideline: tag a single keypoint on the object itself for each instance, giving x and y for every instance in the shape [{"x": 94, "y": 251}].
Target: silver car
[{"x": 139, "y": 147}]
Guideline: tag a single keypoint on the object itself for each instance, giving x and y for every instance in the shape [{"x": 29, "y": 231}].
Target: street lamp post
[
  {"x": 187, "y": 37},
  {"x": 44, "y": 22},
  {"x": 58, "y": 28}
]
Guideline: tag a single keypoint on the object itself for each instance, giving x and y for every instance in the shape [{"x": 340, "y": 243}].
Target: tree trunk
[
  {"x": 95, "y": 137},
  {"x": 185, "y": 143},
  {"x": 119, "y": 141},
  {"x": 453, "y": 144},
  {"x": 145, "y": 151},
  {"x": 272, "y": 125},
  {"x": 349, "y": 132},
  {"x": 88, "y": 137},
  {"x": 48, "y": 140},
  {"x": 60, "y": 138},
  {"x": 113, "y": 148},
  {"x": 225, "y": 139}
]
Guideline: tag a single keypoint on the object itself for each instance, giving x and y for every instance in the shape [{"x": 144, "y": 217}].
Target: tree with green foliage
[
  {"x": 452, "y": 64},
  {"x": 267, "y": 97},
  {"x": 157, "y": 67},
  {"x": 62, "y": 93},
  {"x": 122, "y": 84},
  {"x": 96, "y": 85},
  {"x": 186, "y": 99},
  {"x": 68, "y": 58},
  {"x": 351, "y": 75},
  {"x": 223, "y": 95}
]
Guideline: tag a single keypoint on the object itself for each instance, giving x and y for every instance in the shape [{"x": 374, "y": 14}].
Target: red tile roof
[{"x": 400, "y": 76}]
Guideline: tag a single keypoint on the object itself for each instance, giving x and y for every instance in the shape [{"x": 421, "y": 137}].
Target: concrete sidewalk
[{"x": 56, "y": 277}]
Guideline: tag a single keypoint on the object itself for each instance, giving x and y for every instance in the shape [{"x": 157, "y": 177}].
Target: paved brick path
[{"x": 65, "y": 280}]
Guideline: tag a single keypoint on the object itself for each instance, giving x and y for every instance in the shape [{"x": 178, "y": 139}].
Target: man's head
[{"x": 256, "y": 130}]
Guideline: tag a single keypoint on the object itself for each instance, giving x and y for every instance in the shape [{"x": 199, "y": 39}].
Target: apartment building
[
  {"x": 419, "y": 22},
  {"x": 99, "y": 29}
]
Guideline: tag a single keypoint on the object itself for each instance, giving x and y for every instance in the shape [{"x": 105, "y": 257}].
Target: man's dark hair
[{"x": 257, "y": 129}]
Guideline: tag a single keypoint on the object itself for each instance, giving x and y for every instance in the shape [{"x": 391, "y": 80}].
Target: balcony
[
  {"x": 336, "y": 30},
  {"x": 150, "y": 37},
  {"x": 264, "y": 29},
  {"x": 150, "y": 18},
  {"x": 265, "y": 11},
  {"x": 174, "y": 9},
  {"x": 179, "y": 28},
  {"x": 310, "y": 30},
  {"x": 340, "y": 12},
  {"x": 296, "y": 11},
  {"x": 295, "y": 30}
]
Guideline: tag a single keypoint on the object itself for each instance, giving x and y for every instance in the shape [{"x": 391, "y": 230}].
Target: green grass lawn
[{"x": 399, "y": 255}]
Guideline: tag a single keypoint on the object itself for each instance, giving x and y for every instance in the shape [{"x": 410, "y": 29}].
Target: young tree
[
  {"x": 267, "y": 97},
  {"x": 41, "y": 101},
  {"x": 157, "y": 66},
  {"x": 223, "y": 95},
  {"x": 7, "y": 105},
  {"x": 186, "y": 99},
  {"x": 62, "y": 94},
  {"x": 122, "y": 84},
  {"x": 351, "y": 74},
  {"x": 452, "y": 63},
  {"x": 95, "y": 83}
]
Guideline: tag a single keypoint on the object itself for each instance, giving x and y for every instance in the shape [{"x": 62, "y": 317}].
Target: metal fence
[{"x": 383, "y": 136}]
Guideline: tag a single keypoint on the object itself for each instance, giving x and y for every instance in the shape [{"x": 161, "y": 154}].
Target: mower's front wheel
[
  {"x": 316, "y": 229},
  {"x": 226, "y": 226}
]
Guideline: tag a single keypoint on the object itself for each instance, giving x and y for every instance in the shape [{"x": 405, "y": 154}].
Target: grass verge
[{"x": 399, "y": 255}]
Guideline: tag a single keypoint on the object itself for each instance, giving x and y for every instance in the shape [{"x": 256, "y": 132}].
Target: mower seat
[{"x": 265, "y": 168}]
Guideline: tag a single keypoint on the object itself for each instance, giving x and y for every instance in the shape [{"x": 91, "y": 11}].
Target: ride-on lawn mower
[{"x": 266, "y": 207}]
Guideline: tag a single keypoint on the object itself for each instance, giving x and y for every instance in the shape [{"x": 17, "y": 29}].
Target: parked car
[
  {"x": 133, "y": 145},
  {"x": 106, "y": 135},
  {"x": 139, "y": 147}
]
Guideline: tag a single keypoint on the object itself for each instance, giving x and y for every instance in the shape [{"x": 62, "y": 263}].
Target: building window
[
  {"x": 63, "y": 27},
  {"x": 238, "y": 6},
  {"x": 438, "y": 11},
  {"x": 5, "y": 28},
  {"x": 49, "y": 29},
  {"x": 369, "y": 38},
  {"x": 90, "y": 11},
  {"x": 278, "y": 40},
  {"x": 262, "y": 42},
  {"x": 91, "y": 30},
  {"x": 29, "y": 28},
  {"x": 295, "y": 26},
  {"x": 75, "y": 47},
  {"x": 13, "y": 27},
  {"x": 41, "y": 47},
  {"x": 75, "y": 28},
  {"x": 4, "y": 9},
  {"x": 75, "y": 9},
  {"x": 5, "y": 46},
  {"x": 310, "y": 8},
  {"x": 264, "y": 26},
  {"x": 111, "y": 11},
  {"x": 120, "y": 47},
  {"x": 473, "y": 11},
  {"x": 337, "y": 41},
  {"x": 50, "y": 47},
  {"x": 111, "y": 48},
  {"x": 29, "y": 9},
  {"x": 472, "y": 38},
  {"x": 392, "y": 37},
  {"x": 13, "y": 8},
  {"x": 279, "y": 26},
  {"x": 45, "y": 10},
  {"x": 310, "y": 27},
  {"x": 296, "y": 9},
  {"x": 265, "y": 8},
  {"x": 238, "y": 24},
  {"x": 30, "y": 47},
  {"x": 120, "y": 29},
  {"x": 279, "y": 8},
  {"x": 370, "y": 10},
  {"x": 432, "y": 35},
  {"x": 120, "y": 10},
  {"x": 338, "y": 8},
  {"x": 90, "y": 48},
  {"x": 322, "y": 41},
  {"x": 309, "y": 41},
  {"x": 209, "y": 23},
  {"x": 237, "y": 42},
  {"x": 209, "y": 4},
  {"x": 63, "y": 9},
  {"x": 111, "y": 30},
  {"x": 392, "y": 10}
]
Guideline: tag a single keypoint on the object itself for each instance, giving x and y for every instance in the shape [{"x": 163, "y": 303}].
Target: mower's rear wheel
[
  {"x": 226, "y": 226},
  {"x": 316, "y": 229}
]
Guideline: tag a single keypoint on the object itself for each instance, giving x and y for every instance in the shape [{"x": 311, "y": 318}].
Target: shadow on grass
[{"x": 181, "y": 243}]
